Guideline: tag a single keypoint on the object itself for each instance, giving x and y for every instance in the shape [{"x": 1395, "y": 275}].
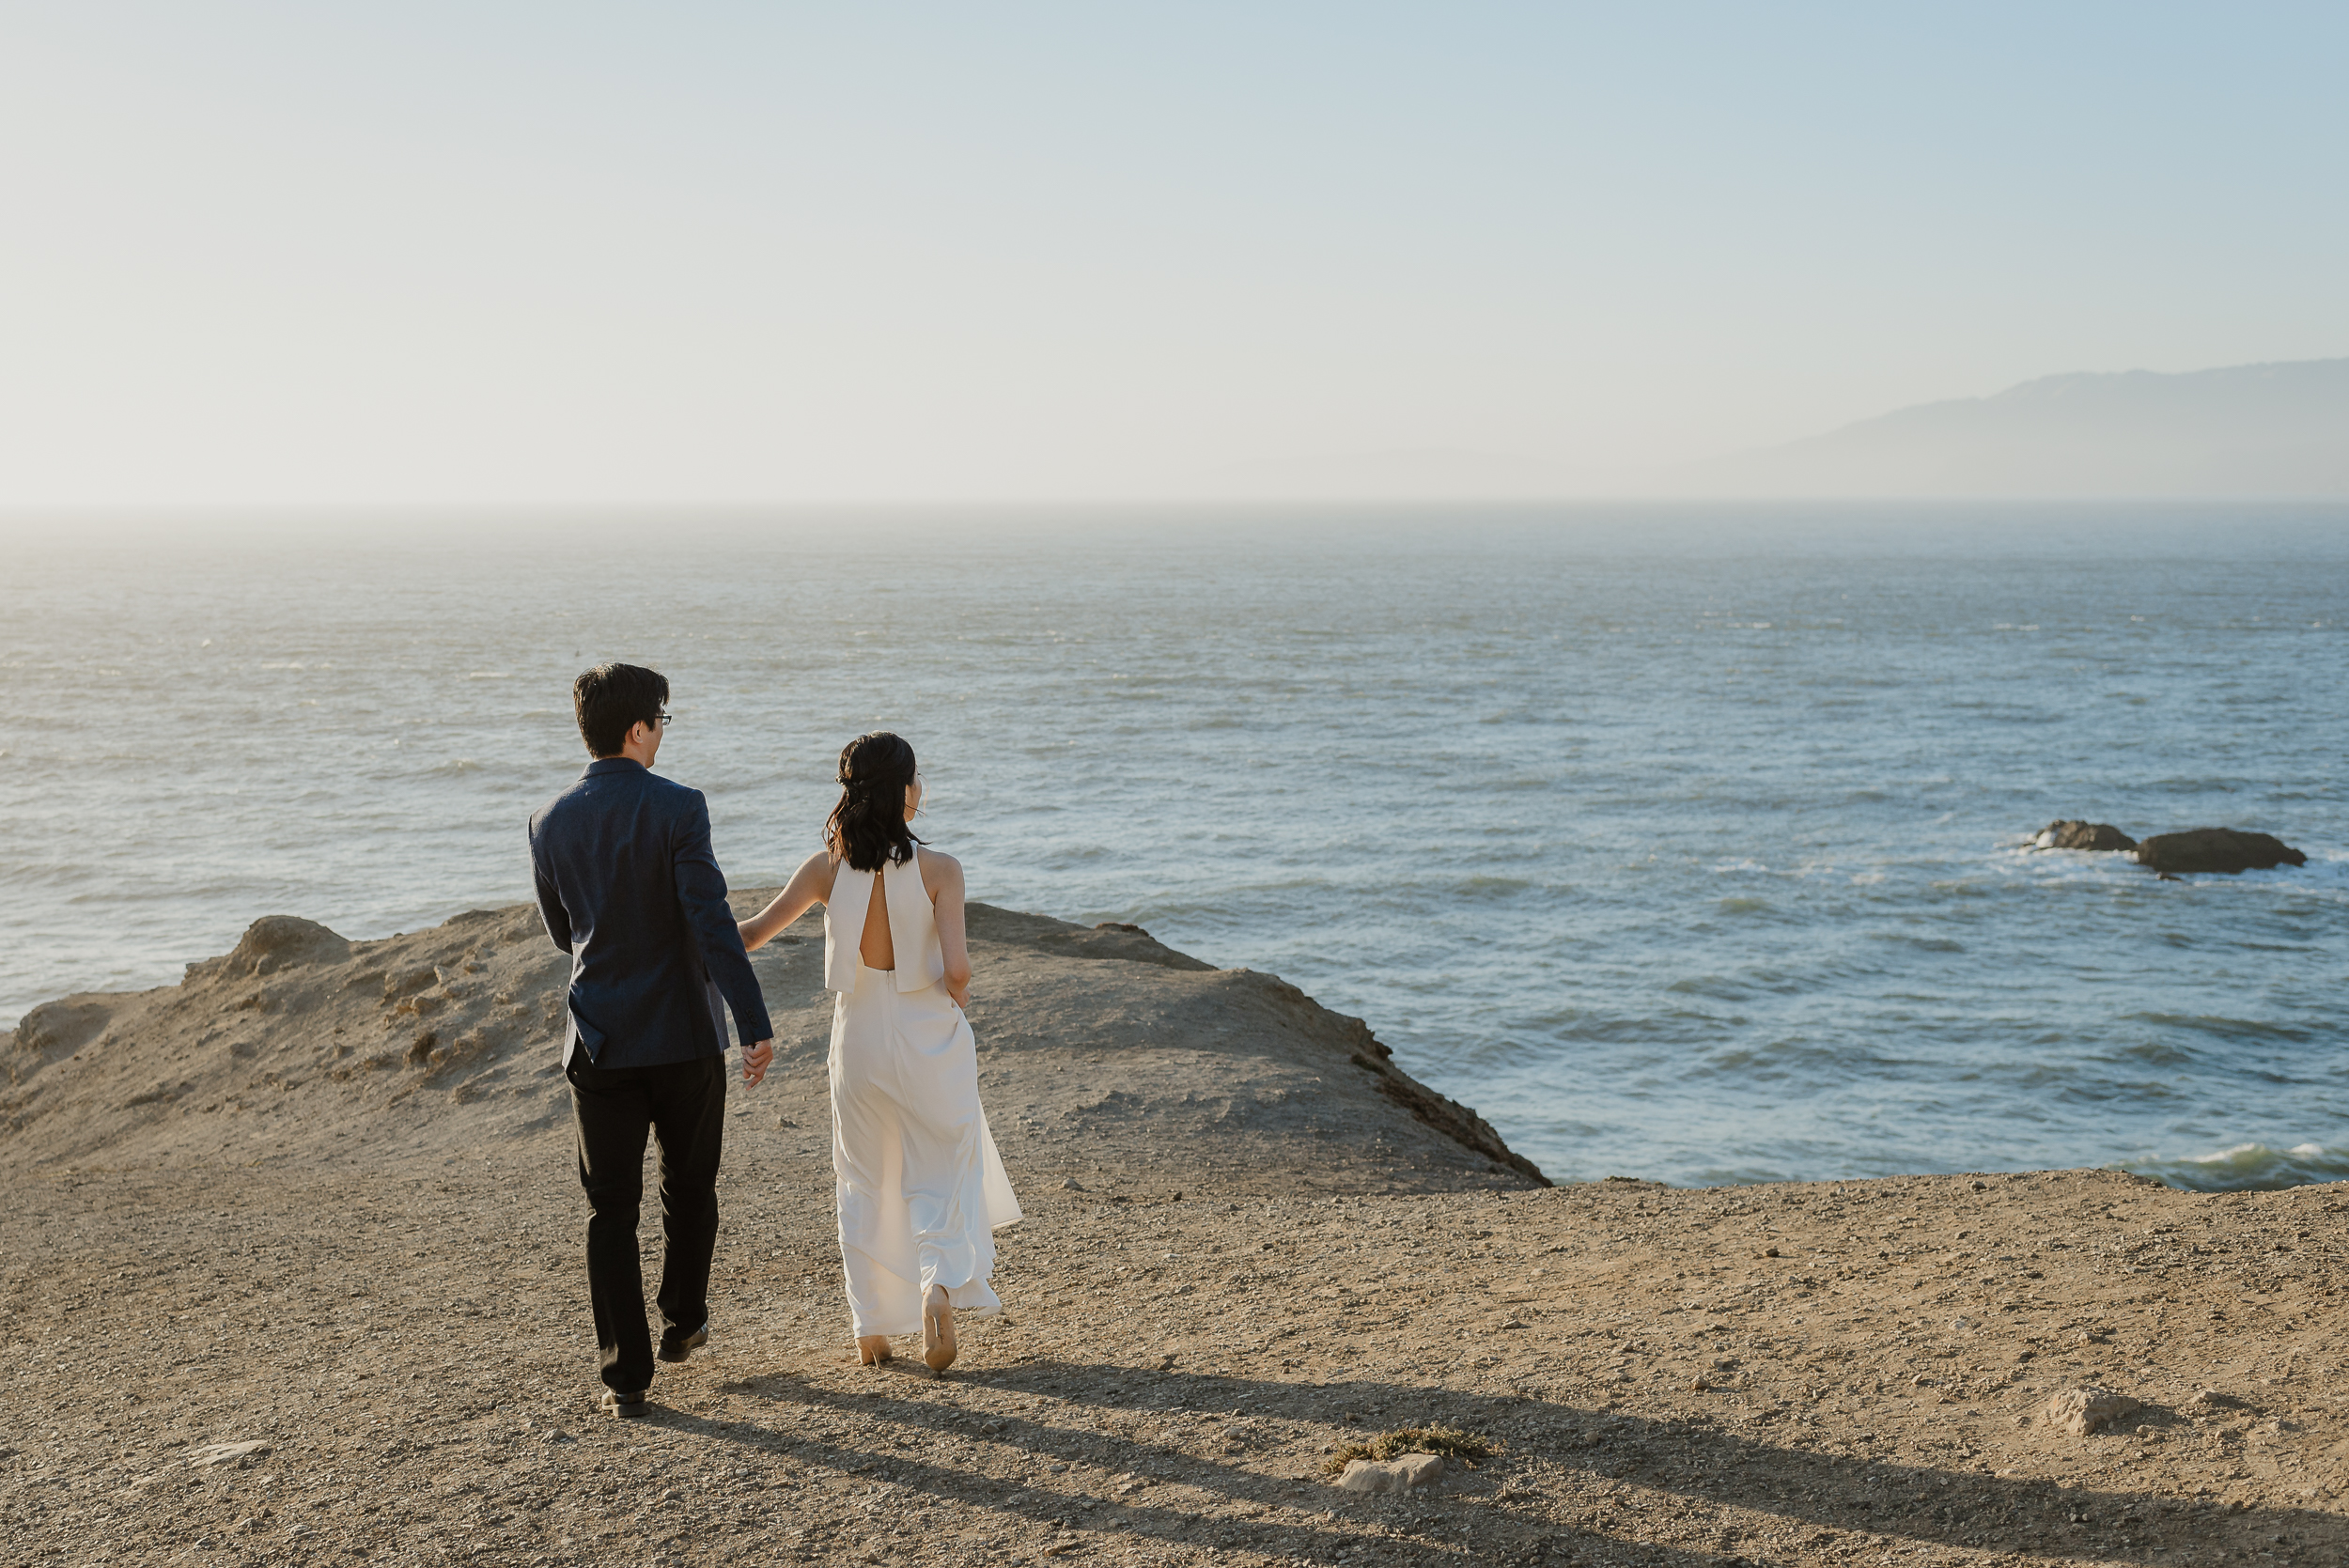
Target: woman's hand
[{"x": 960, "y": 991}]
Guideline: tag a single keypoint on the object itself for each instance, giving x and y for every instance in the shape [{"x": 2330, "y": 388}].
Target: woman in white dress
[{"x": 918, "y": 1183}]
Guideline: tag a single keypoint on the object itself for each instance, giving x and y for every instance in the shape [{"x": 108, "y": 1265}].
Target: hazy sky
[{"x": 581, "y": 252}]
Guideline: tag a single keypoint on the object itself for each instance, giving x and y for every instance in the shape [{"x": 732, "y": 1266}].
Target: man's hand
[{"x": 754, "y": 1061}]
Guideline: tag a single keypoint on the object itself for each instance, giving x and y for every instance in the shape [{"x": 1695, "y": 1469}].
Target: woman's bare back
[
  {"x": 820, "y": 875},
  {"x": 876, "y": 950}
]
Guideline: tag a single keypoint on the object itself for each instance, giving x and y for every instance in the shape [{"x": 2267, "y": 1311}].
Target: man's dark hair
[{"x": 612, "y": 699}]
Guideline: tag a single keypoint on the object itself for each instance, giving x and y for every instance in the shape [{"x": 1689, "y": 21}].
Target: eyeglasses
[{"x": 667, "y": 718}]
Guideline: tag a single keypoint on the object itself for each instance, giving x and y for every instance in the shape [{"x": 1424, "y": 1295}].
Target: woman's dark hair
[
  {"x": 612, "y": 699},
  {"x": 867, "y": 827}
]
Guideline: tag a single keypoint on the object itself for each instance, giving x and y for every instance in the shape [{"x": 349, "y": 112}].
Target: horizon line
[{"x": 280, "y": 510}]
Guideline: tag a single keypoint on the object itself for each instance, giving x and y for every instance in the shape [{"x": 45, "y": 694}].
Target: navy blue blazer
[{"x": 629, "y": 889}]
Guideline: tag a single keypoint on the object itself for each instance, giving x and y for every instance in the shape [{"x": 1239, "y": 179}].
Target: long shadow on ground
[{"x": 1919, "y": 1504}]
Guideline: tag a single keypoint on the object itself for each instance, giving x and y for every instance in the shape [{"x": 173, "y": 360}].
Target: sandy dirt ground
[{"x": 290, "y": 1307}]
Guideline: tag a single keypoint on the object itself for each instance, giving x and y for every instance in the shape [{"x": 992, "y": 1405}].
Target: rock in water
[
  {"x": 2215, "y": 849},
  {"x": 2082, "y": 1411},
  {"x": 1393, "y": 1475},
  {"x": 2069, "y": 834}
]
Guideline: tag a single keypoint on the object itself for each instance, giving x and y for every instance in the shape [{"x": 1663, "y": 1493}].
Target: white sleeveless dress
[{"x": 919, "y": 1185}]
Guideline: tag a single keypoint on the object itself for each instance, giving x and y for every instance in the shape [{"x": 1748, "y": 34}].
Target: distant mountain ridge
[{"x": 2251, "y": 430}]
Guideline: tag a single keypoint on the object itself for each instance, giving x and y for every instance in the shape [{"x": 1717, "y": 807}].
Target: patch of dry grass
[{"x": 1449, "y": 1441}]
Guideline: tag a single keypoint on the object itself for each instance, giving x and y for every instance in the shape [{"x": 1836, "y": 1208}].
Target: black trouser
[{"x": 683, "y": 1104}]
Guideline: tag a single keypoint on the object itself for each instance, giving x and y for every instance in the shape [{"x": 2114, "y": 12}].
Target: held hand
[
  {"x": 743, "y": 930},
  {"x": 754, "y": 1061}
]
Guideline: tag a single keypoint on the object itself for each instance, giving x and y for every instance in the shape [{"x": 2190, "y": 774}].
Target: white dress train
[{"x": 920, "y": 1187}]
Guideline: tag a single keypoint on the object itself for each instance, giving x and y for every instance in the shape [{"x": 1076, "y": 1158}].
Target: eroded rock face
[
  {"x": 60, "y": 1028},
  {"x": 2220, "y": 850},
  {"x": 2071, "y": 834},
  {"x": 276, "y": 942},
  {"x": 1109, "y": 1060}
]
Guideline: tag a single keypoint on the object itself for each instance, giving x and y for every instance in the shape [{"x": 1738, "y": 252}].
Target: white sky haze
[{"x": 504, "y": 253}]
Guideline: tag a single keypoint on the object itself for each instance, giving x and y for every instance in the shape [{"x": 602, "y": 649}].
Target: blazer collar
[{"x": 611, "y": 765}]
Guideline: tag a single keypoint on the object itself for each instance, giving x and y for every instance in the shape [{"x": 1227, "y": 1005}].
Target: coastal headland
[{"x": 289, "y": 1273}]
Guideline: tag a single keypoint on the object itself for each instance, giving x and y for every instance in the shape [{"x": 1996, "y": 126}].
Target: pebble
[{"x": 2082, "y": 1411}]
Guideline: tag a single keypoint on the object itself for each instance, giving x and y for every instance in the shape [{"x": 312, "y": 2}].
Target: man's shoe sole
[
  {"x": 627, "y": 1409},
  {"x": 681, "y": 1350}
]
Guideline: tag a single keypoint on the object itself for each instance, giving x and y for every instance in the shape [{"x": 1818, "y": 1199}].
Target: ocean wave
[
  {"x": 1921, "y": 943},
  {"x": 2327, "y": 868},
  {"x": 1780, "y": 1059},
  {"x": 2072, "y": 865},
  {"x": 1480, "y": 885},
  {"x": 1719, "y": 987},
  {"x": 2154, "y": 1053},
  {"x": 2225, "y": 1028},
  {"x": 1676, "y": 1028},
  {"x": 2244, "y": 1168}
]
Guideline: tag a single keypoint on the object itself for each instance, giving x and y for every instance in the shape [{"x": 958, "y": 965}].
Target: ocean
[{"x": 1683, "y": 842}]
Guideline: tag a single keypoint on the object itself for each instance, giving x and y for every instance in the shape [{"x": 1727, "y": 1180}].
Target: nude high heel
[
  {"x": 872, "y": 1350},
  {"x": 938, "y": 1330}
]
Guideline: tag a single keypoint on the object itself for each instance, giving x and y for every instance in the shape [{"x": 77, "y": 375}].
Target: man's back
[
  {"x": 631, "y": 891},
  {"x": 629, "y": 887}
]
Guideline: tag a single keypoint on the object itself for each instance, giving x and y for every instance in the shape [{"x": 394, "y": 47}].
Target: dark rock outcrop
[
  {"x": 2215, "y": 849},
  {"x": 2069, "y": 834}
]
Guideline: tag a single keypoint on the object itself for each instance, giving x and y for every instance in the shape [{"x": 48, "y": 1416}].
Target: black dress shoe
[
  {"x": 676, "y": 1344},
  {"x": 627, "y": 1407}
]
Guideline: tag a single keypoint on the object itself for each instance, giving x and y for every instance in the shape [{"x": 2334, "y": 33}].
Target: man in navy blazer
[{"x": 629, "y": 889}]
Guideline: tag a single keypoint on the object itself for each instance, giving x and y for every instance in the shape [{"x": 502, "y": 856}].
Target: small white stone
[
  {"x": 226, "y": 1453},
  {"x": 2082, "y": 1411},
  {"x": 1393, "y": 1475}
]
